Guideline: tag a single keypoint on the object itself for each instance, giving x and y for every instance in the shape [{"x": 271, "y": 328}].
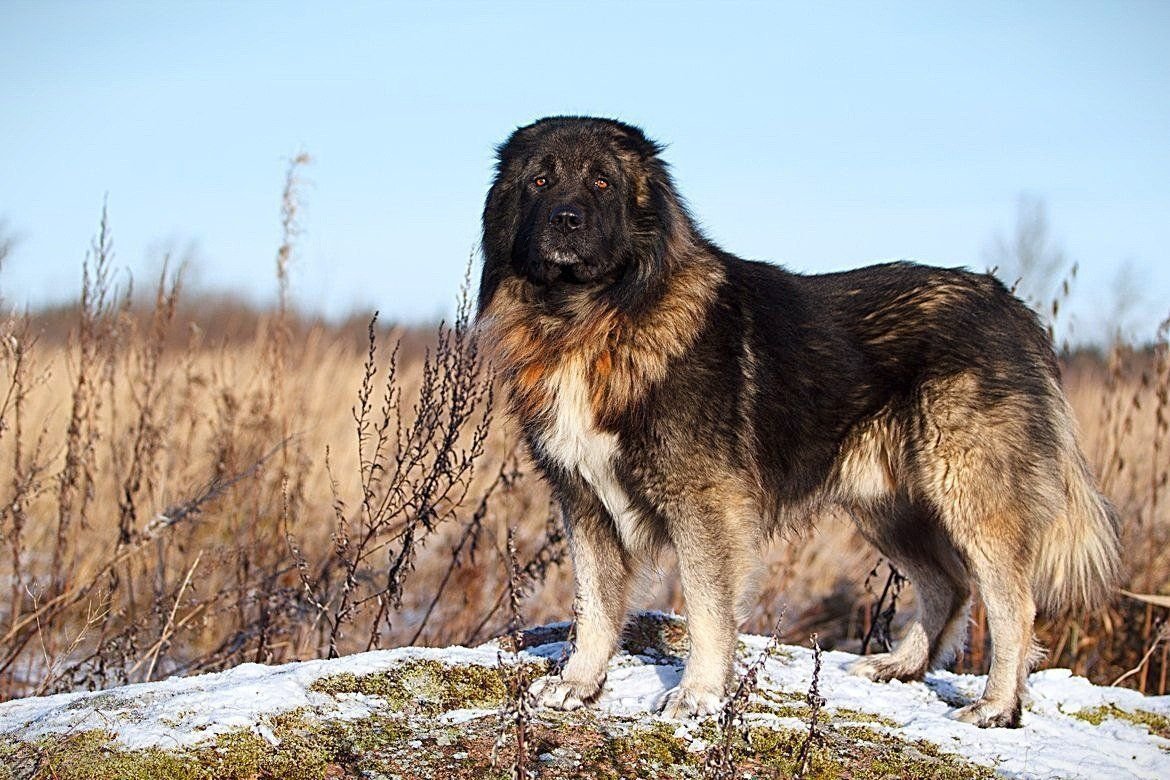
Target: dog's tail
[{"x": 1079, "y": 558}]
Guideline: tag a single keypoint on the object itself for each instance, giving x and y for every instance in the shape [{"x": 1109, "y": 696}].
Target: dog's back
[{"x": 940, "y": 350}]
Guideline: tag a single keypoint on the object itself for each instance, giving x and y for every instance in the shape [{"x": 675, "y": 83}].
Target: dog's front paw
[
  {"x": 555, "y": 692},
  {"x": 683, "y": 702},
  {"x": 987, "y": 714}
]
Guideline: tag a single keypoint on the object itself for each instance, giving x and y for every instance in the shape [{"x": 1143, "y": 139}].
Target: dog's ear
[
  {"x": 515, "y": 144},
  {"x": 640, "y": 155},
  {"x": 655, "y": 195},
  {"x": 632, "y": 139},
  {"x": 663, "y": 231},
  {"x": 500, "y": 222}
]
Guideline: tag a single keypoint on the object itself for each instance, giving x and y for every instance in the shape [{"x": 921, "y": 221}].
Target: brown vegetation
[{"x": 191, "y": 484}]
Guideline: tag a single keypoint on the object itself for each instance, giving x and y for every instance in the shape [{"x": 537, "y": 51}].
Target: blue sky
[{"x": 821, "y": 136}]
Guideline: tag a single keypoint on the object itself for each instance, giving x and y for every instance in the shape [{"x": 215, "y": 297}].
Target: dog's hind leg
[
  {"x": 954, "y": 635},
  {"x": 936, "y": 598},
  {"x": 603, "y": 575},
  {"x": 987, "y": 457},
  {"x": 913, "y": 542},
  {"x": 1011, "y": 612}
]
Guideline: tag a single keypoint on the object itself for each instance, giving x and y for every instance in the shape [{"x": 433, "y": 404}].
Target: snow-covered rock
[{"x": 420, "y": 712}]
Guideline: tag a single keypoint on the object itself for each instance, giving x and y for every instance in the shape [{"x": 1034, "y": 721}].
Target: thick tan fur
[{"x": 623, "y": 355}]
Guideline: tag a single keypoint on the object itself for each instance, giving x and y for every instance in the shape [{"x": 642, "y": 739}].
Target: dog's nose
[{"x": 567, "y": 218}]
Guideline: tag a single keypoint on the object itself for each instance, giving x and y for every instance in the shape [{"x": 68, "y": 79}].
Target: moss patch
[
  {"x": 1156, "y": 723},
  {"x": 89, "y": 755},
  {"x": 853, "y": 752},
  {"x": 656, "y": 747},
  {"x": 304, "y": 749},
  {"x": 425, "y": 687},
  {"x": 105, "y": 701},
  {"x": 792, "y": 705}
]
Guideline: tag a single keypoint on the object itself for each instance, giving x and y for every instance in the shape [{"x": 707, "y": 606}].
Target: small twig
[
  {"x": 1162, "y": 636},
  {"x": 53, "y": 665},
  {"x": 815, "y": 703},
  {"x": 470, "y": 530},
  {"x": 552, "y": 551},
  {"x": 883, "y": 616}
]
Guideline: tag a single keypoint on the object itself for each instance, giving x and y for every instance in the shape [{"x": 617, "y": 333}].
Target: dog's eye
[
  {"x": 601, "y": 182},
  {"x": 540, "y": 181}
]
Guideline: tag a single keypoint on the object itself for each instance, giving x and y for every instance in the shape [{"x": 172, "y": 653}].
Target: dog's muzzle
[{"x": 562, "y": 258}]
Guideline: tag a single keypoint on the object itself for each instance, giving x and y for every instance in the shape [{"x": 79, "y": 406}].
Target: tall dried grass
[{"x": 189, "y": 484}]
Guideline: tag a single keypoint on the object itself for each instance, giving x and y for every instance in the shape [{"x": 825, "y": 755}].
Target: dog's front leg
[
  {"x": 709, "y": 582},
  {"x": 602, "y": 574}
]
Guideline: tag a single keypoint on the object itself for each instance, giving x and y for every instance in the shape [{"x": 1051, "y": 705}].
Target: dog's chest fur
[{"x": 572, "y": 439}]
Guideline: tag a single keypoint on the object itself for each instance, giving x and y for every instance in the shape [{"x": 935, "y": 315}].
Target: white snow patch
[{"x": 186, "y": 711}]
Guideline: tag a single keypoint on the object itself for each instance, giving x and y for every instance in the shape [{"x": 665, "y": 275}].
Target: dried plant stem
[
  {"x": 815, "y": 703},
  {"x": 1162, "y": 637},
  {"x": 169, "y": 627},
  {"x": 882, "y": 616},
  {"x": 516, "y": 713},
  {"x": 719, "y": 762}
]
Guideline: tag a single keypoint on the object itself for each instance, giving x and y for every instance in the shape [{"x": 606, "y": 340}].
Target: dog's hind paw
[
  {"x": 884, "y": 667},
  {"x": 555, "y": 692},
  {"x": 986, "y": 714},
  {"x": 681, "y": 703}
]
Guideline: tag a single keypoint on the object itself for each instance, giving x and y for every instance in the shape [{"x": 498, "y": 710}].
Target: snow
[
  {"x": 186, "y": 711},
  {"x": 1052, "y": 743}
]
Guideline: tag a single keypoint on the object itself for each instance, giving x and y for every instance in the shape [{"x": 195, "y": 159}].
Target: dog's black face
[
  {"x": 573, "y": 213},
  {"x": 573, "y": 207}
]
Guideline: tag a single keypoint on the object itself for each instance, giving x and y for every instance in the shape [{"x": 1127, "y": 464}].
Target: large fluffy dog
[{"x": 674, "y": 394}]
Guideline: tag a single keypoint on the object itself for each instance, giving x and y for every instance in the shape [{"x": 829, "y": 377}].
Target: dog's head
[{"x": 577, "y": 204}]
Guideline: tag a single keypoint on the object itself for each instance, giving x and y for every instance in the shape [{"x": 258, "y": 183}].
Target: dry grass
[{"x": 189, "y": 484}]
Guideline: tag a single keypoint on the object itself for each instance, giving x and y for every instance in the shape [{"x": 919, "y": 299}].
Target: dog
[{"x": 675, "y": 395}]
